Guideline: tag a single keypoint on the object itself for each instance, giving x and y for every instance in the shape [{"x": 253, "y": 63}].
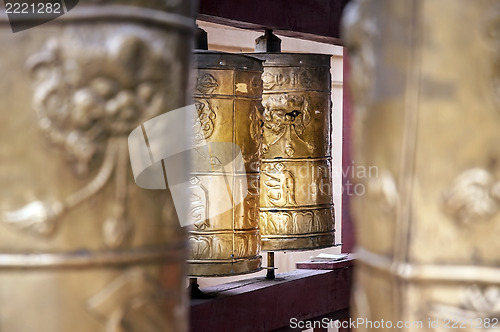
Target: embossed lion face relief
[
  {"x": 285, "y": 110},
  {"x": 88, "y": 97},
  {"x": 83, "y": 100},
  {"x": 286, "y": 118}
]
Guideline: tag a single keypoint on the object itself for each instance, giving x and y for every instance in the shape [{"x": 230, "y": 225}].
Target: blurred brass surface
[
  {"x": 228, "y": 99},
  {"x": 296, "y": 194},
  {"x": 82, "y": 248},
  {"x": 425, "y": 80}
]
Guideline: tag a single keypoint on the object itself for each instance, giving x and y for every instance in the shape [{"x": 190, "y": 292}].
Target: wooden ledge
[{"x": 258, "y": 304}]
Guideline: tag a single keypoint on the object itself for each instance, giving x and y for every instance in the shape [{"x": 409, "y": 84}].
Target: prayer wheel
[
  {"x": 224, "y": 236},
  {"x": 425, "y": 83},
  {"x": 296, "y": 194},
  {"x": 82, "y": 247}
]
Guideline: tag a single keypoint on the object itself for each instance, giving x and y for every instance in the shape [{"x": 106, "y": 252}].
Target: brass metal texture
[
  {"x": 228, "y": 98},
  {"x": 82, "y": 248},
  {"x": 425, "y": 81},
  {"x": 296, "y": 194}
]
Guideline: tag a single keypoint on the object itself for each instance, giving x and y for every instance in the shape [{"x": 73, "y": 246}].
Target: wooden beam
[
  {"x": 317, "y": 20},
  {"x": 258, "y": 304},
  {"x": 348, "y": 230}
]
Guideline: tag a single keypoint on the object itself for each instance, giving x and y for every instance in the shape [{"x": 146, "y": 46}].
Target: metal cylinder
[
  {"x": 224, "y": 237},
  {"x": 82, "y": 248},
  {"x": 427, "y": 117},
  {"x": 296, "y": 194}
]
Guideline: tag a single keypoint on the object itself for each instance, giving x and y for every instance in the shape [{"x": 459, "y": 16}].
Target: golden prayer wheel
[
  {"x": 296, "y": 194},
  {"x": 224, "y": 237},
  {"x": 82, "y": 247},
  {"x": 427, "y": 116}
]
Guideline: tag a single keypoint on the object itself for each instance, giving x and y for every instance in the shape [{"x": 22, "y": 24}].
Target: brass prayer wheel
[
  {"x": 296, "y": 194},
  {"x": 224, "y": 237},
  {"x": 424, "y": 82},
  {"x": 82, "y": 247}
]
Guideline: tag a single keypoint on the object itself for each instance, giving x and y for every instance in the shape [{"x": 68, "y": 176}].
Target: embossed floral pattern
[
  {"x": 206, "y": 83},
  {"x": 473, "y": 196},
  {"x": 205, "y": 123}
]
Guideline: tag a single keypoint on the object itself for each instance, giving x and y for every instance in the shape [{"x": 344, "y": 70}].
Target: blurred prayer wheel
[
  {"x": 296, "y": 194},
  {"x": 428, "y": 117},
  {"x": 224, "y": 237},
  {"x": 82, "y": 248}
]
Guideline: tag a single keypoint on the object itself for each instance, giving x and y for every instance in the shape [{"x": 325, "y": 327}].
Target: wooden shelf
[{"x": 258, "y": 304}]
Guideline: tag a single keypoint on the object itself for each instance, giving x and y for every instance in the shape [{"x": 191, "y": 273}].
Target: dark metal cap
[
  {"x": 223, "y": 60},
  {"x": 293, "y": 59},
  {"x": 269, "y": 42}
]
